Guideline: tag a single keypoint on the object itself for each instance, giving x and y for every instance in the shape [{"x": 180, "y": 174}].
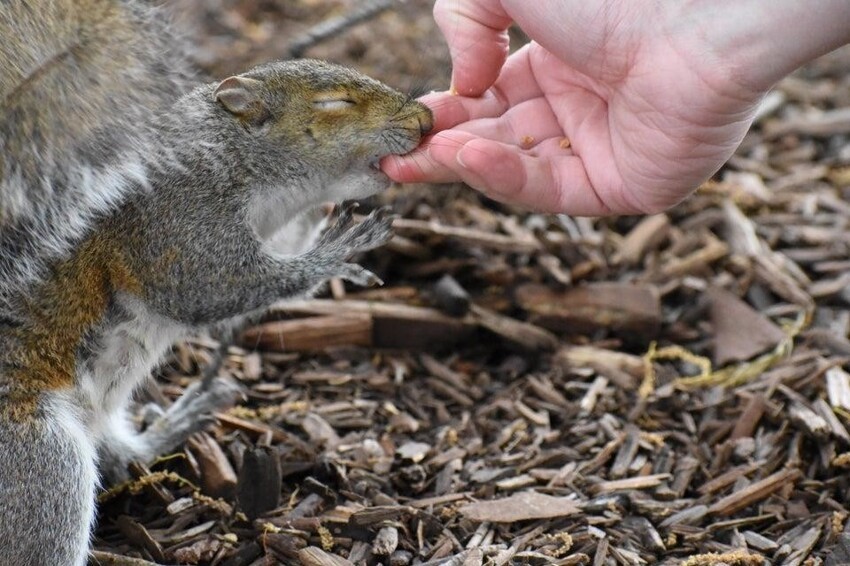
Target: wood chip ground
[{"x": 511, "y": 395}]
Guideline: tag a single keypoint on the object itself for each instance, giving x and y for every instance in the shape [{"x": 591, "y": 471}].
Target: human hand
[{"x": 652, "y": 97}]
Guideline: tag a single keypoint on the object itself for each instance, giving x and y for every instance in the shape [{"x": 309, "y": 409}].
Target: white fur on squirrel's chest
[{"x": 127, "y": 354}]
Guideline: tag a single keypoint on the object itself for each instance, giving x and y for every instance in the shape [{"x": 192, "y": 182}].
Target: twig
[{"x": 367, "y": 10}]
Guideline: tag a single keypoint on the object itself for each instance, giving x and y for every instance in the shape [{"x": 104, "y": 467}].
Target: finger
[
  {"x": 516, "y": 84},
  {"x": 417, "y": 167},
  {"x": 524, "y": 125},
  {"x": 548, "y": 182},
  {"x": 476, "y": 31}
]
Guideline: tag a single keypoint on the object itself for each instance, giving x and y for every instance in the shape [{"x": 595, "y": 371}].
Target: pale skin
[{"x": 616, "y": 106}]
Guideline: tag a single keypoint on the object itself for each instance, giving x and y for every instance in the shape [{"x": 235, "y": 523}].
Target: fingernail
[{"x": 459, "y": 160}]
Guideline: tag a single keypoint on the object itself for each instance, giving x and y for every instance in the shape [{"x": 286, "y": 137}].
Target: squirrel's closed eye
[{"x": 333, "y": 103}]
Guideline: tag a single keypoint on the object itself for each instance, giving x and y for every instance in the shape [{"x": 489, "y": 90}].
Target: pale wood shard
[
  {"x": 838, "y": 388},
  {"x": 689, "y": 516},
  {"x": 741, "y": 232},
  {"x": 520, "y": 507},
  {"x": 543, "y": 388},
  {"x": 102, "y": 558},
  {"x": 635, "y": 483},
  {"x": 601, "y": 360},
  {"x": 320, "y": 431},
  {"x": 555, "y": 269},
  {"x": 821, "y": 124},
  {"x": 315, "y": 556},
  {"x": 523, "y": 334},
  {"x": 386, "y": 541},
  {"x": 733, "y": 558},
  {"x": 467, "y": 236},
  {"x": 771, "y": 102},
  {"x": 611, "y": 306},
  {"x": 699, "y": 260},
  {"x": 648, "y": 234},
  {"x": 809, "y": 420}
]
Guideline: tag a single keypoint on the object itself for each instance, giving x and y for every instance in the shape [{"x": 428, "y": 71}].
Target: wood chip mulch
[{"x": 536, "y": 389}]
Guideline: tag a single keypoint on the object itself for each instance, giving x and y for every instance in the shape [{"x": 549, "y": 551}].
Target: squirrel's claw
[{"x": 359, "y": 275}]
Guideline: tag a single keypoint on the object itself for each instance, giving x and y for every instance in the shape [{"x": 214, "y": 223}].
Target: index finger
[
  {"x": 515, "y": 85},
  {"x": 476, "y": 31}
]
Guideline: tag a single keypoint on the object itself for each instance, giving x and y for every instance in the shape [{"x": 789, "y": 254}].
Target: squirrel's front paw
[{"x": 344, "y": 238}]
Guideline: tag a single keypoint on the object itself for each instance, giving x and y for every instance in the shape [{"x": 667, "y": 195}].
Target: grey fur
[
  {"x": 80, "y": 84},
  {"x": 47, "y": 482}
]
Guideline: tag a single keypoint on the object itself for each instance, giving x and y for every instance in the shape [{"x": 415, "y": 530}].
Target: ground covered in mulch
[{"x": 531, "y": 389}]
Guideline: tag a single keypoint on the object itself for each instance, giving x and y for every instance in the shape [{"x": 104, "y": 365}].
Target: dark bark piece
[
  {"x": 311, "y": 334},
  {"x": 840, "y": 555},
  {"x": 740, "y": 333},
  {"x": 217, "y": 475},
  {"x": 629, "y": 309},
  {"x": 450, "y": 297},
  {"x": 139, "y": 535},
  {"x": 394, "y": 325},
  {"x": 755, "y": 492},
  {"x": 283, "y": 546},
  {"x": 259, "y": 481}
]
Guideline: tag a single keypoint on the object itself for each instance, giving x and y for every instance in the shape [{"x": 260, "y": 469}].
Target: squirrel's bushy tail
[{"x": 48, "y": 507}]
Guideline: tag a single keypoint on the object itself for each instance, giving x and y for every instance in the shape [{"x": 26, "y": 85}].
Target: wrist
[{"x": 758, "y": 42}]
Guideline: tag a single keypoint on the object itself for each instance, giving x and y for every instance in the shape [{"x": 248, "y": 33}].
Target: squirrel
[{"x": 135, "y": 211}]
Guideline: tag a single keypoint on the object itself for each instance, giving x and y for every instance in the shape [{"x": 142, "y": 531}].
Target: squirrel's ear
[{"x": 241, "y": 97}]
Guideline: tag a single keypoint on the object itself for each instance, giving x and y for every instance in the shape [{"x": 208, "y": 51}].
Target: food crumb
[
  {"x": 565, "y": 143},
  {"x": 526, "y": 142}
]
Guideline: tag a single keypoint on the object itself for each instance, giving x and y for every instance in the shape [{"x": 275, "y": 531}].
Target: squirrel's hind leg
[
  {"x": 47, "y": 485},
  {"x": 191, "y": 413}
]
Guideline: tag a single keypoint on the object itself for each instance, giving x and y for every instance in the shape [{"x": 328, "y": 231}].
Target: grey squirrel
[{"x": 134, "y": 211}]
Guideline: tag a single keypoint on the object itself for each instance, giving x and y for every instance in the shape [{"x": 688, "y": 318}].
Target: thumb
[{"x": 476, "y": 31}]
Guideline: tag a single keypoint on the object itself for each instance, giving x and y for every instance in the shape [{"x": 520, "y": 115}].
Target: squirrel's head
[{"x": 333, "y": 120}]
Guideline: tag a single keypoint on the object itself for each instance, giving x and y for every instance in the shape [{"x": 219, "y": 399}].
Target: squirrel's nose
[{"x": 426, "y": 122}]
